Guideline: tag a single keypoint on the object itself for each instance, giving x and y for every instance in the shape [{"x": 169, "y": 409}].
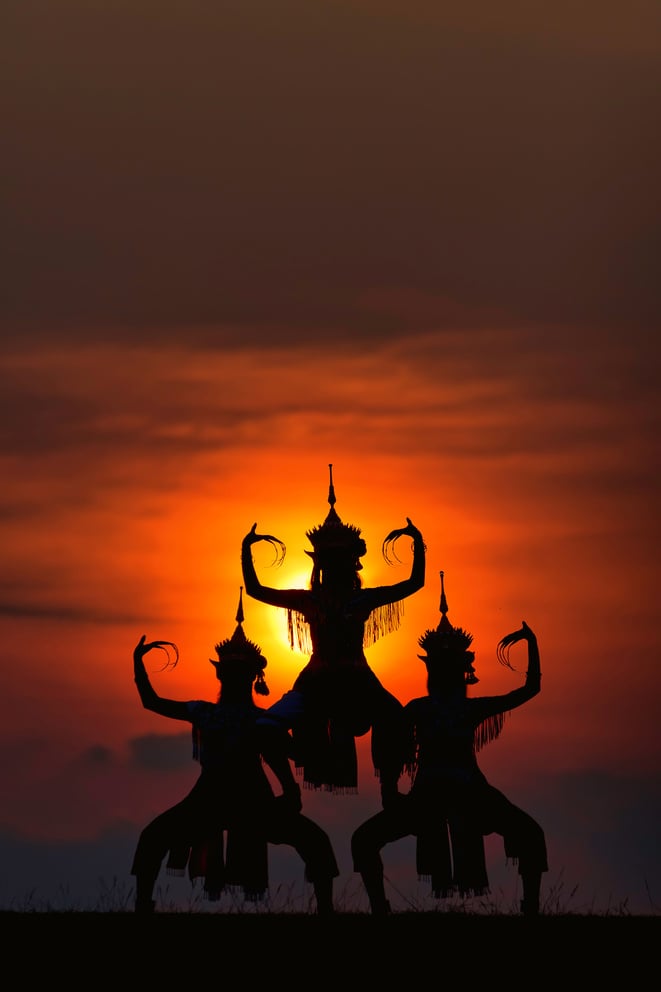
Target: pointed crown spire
[
  {"x": 237, "y": 650},
  {"x": 333, "y": 534},
  {"x": 448, "y": 644}
]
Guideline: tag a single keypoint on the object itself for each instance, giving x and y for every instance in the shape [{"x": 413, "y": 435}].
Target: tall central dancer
[{"x": 337, "y": 697}]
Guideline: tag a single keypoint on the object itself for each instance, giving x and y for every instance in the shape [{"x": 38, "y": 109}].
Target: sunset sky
[{"x": 242, "y": 241}]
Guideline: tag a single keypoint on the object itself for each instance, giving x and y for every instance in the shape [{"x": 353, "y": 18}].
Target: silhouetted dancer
[
  {"x": 221, "y": 829},
  {"x": 451, "y": 806},
  {"x": 337, "y": 697}
]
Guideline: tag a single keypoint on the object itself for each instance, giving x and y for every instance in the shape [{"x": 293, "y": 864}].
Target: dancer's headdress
[
  {"x": 448, "y": 645},
  {"x": 334, "y": 535},
  {"x": 237, "y": 650}
]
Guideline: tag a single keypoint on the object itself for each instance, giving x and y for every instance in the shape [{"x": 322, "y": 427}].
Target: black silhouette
[
  {"x": 337, "y": 697},
  {"x": 451, "y": 806},
  {"x": 221, "y": 829}
]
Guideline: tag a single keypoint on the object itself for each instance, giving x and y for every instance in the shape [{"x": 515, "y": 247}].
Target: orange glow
[{"x": 154, "y": 548}]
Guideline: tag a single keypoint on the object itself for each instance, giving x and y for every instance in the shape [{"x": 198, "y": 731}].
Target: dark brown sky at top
[{"x": 267, "y": 167}]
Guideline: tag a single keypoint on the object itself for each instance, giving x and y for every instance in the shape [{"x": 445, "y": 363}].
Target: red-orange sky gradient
[{"x": 417, "y": 245}]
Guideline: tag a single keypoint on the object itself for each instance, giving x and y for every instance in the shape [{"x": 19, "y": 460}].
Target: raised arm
[
  {"x": 488, "y": 706},
  {"x": 289, "y": 598},
  {"x": 148, "y": 695},
  {"x": 416, "y": 580},
  {"x": 534, "y": 671},
  {"x": 533, "y": 683}
]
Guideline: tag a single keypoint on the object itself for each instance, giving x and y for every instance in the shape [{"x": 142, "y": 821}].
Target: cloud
[
  {"x": 98, "y": 755},
  {"x": 160, "y": 752},
  {"x": 251, "y": 176}
]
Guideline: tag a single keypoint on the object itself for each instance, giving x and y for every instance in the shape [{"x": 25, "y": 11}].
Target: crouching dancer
[
  {"x": 222, "y": 828},
  {"x": 451, "y": 806}
]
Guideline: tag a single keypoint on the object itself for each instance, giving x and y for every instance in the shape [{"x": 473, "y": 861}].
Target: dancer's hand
[
  {"x": 524, "y": 633},
  {"x": 252, "y": 537},
  {"x": 410, "y": 529},
  {"x": 388, "y": 547},
  {"x": 143, "y": 647}
]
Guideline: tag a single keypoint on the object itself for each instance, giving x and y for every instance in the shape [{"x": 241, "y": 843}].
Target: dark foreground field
[{"x": 348, "y": 951}]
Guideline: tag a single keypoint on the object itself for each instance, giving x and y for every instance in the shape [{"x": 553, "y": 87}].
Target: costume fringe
[
  {"x": 488, "y": 730},
  {"x": 382, "y": 620},
  {"x": 337, "y": 790},
  {"x": 298, "y": 632},
  {"x": 176, "y": 872}
]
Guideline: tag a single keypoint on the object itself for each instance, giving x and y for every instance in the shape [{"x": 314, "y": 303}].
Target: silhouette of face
[
  {"x": 235, "y": 670},
  {"x": 449, "y": 669},
  {"x": 342, "y": 576},
  {"x": 338, "y": 568}
]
